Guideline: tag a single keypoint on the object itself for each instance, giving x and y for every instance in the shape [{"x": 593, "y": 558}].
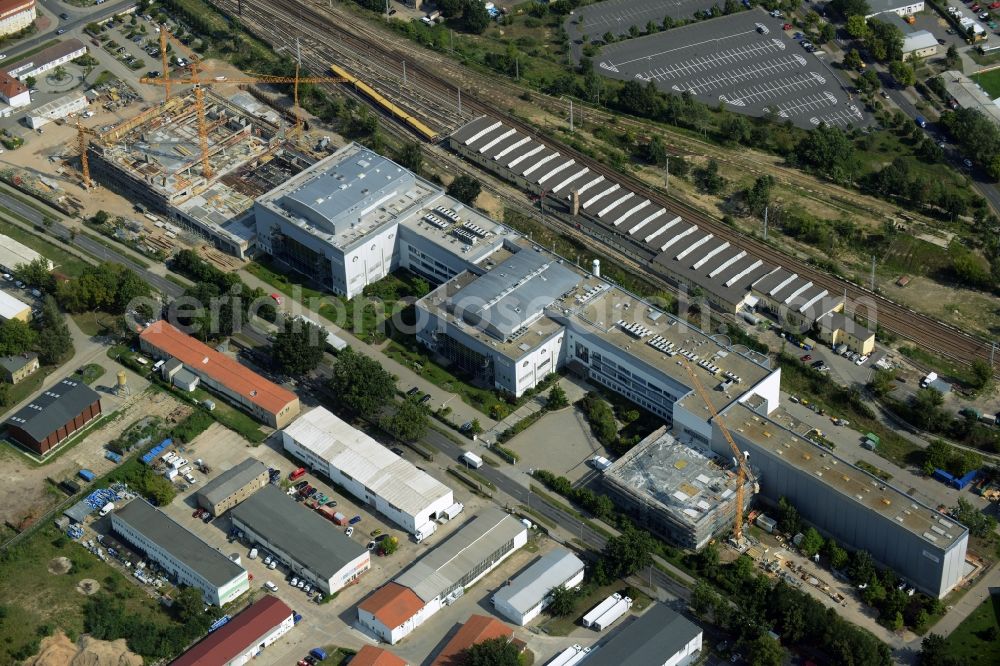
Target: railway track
[{"x": 356, "y": 42}]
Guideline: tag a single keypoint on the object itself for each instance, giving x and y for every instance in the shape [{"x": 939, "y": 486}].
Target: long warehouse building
[
  {"x": 438, "y": 578},
  {"x": 369, "y": 471},
  {"x": 923, "y": 546},
  {"x": 309, "y": 545},
  {"x": 188, "y": 559},
  {"x": 243, "y": 638},
  {"x": 232, "y": 486},
  {"x": 525, "y": 597}
]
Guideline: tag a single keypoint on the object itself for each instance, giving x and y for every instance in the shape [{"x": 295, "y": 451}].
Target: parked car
[
  {"x": 294, "y": 582},
  {"x": 300, "y": 584},
  {"x": 355, "y": 520},
  {"x": 307, "y": 589},
  {"x": 349, "y": 531},
  {"x": 817, "y": 364},
  {"x": 252, "y": 554},
  {"x": 805, "y": 358},
  {"x": 273, "y": 564},
  {"x": 787, "y": 26},
  {"x": 413, "y": 391},
  {"x": 271, "y": 586},
  {"x": 267, "y": 560},
  {"x": 425, "y": 398},
  {"x": 207, "y": 517},
  {"x": 196, "y": 514}
]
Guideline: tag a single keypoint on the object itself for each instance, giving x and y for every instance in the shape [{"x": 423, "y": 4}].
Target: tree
[
  {"x": 709, "y": 179},
  {"x": 408, "y": 423},
  {"x": 37, "y": 274},
  {"x": 298, "y": 347},
  {"x": 882, "y": 382},
  {"x": 475, "y": 427},
  {"x": 838, "y": 556},
  {"x": 857, "y": 27},
  {"x": 979, "y": 524},
  {"x": 59, "y": 73},
  {"x": 951, "y": 56},
  {"x": 758, "y": 196},
  {"x": 884, "y": 41},
  {"x": 411, "y": 156},
  {"x": 627, "y": 553},
  {"x": 388, "y": 546},
  {"x": 849, "y": 8},
  {"x": 30, "y": 81},
  {"x": 562, "y": 601},
  {"x": 557, "y": 398},
  {"x": 862, "y": 566},
  {"x": 811, "y": 542},
  {"x": 55, "y": 344},
  {"x": 735, "y": 128},
  {"x": 982, "y": 374},
  {"x": 16, "y": 337},
  {"x": 465, "y": 189},
  {"x": 493, "y": 652},
  {"x": 361, "y": 383},
  {"x": 826, "y": 149},
  {"x": 852, "y": 60},
  {"x": 475, "y": 18},
  {"x": 765, "y": 651},
  {"x": 902, "y": 73},
  {"x": 827, "y": 33},
  {"x": 789, "y": 520},
  {"x": 499, "y": 411},
  {"x": 934, "y": 651},
  {"x": 703, "y": 598}
]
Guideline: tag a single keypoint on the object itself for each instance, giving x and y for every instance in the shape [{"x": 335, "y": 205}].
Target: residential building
[
  {"x": 369, "y": 655},
  {"x": 46, "y": 59},
  {"x": 477, "y": 629},
  {"x": 660, "y": 637},
  {"x": 15, "y": 368},
  {"x": 57, "y": 109},
  {"x": 13, "y": 308},
  {"x": 14, "y": 253},
  {"x": 368, "y": 470},
  {"x": 835, "y": 328},
  {"x": 442, "y": 575},
  {"x": 232, "y": 486},
  {"x": 243, "y": 638},
  {"x": 916, "y": 43},
  {"x": 861, "y": 511},
  {"x": 527, "y": 595},
  {"x": 310, "y": 546},
  {"x": 186, "y": 558},
  {"x": 685, "y": 495},
  {"x": 13, "y": 93},
  {"x": 897, "y": 7},
  {"x": 265, "y": 400},
  {"x": 54, "y": 415},
  {"x": 16, "y": 15}
]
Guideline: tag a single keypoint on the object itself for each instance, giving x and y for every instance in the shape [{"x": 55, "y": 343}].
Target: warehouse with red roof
[{"x": 242, "y": 638}]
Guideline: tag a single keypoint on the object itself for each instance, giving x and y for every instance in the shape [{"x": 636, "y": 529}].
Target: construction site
[
  {"x": 675, "y": 490},
  {"x": 201, "y": 171}
]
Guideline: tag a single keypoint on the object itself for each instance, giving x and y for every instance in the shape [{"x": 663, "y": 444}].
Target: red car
[
  {"x": 995, "y": 5},
  {"x": 806, "y": 358},
  {"x": 196, "y": 514},
  {"x": 277, "y": 299},
  {"x": 975, "y": 7},
  {"x": 787, "y": 26}
]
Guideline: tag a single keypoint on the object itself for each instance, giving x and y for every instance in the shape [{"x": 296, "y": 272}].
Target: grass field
[
  {"x": 989, "y": 81},
  {"x": 975, "y": 641}
]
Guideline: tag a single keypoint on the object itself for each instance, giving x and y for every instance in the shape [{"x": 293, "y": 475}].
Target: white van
[
  {"x": 271, "y": 586},
  {"x": 252, "y": 554},
  {"x": 472, "y": 460}
]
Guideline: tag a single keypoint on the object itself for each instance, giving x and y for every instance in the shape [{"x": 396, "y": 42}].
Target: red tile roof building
[
  {"x": 477, "y": 629},
  {"x": 12, "y": 91},
  {"x": 393, "y": 606},
  {"x": 264, "y": 399},
  {"x": 16, "y": 15},
  {"x": 243, "y": 637},
  {"x": 370, "y": 655}
]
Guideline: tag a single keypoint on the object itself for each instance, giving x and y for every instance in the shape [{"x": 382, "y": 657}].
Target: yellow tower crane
[
  {"x": 743, "y": 471},
  {"x": 81, "y": 139}
]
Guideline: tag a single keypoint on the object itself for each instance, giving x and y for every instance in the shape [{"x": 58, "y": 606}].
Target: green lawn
[
  {"x": 989, "y": 81},
  {"x": 65, "y": 262},
  {"x": 93, "y": 323},
  {"x": 975, "y": 640},
  {"x": 592, "y": 595}
]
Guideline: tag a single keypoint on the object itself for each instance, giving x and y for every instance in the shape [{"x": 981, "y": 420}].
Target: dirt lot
[
  {"x": 58, "y": 650},
  {"x": 25, "y": 491}
]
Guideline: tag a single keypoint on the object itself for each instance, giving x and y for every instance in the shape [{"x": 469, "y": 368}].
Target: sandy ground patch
[
  {"x": 88, "y": 586},
  {"x": 59, "y": 566},
  {"x": 58, "y": 650}
]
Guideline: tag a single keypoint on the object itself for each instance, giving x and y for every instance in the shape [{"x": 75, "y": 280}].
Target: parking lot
[
  {"x": 745, "y": 61},
  {"x": 618, "y": 16}
]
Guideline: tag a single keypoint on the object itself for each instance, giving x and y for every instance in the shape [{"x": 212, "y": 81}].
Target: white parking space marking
[
  {"x": 738, "y": 75},
  {"x": 841, "y": 118},
  {"x": 619, "y": 17},
  {"x": 744, "y": 52},
  {"x": 815, "y": 102},
  {"x": 773, "y": 89},
  {"x": 703, "y": 63}
]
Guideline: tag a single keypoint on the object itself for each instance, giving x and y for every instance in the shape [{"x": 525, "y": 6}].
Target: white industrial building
[
  {"x": 13, "y": 308},
  {"x": 661, "y": 637},
  {"x": 527, "y": 595},
  {"x": 188, "y": 559},
  {"x": 47, "y": 59},
  {"x": 310, "y": 546},
  {"x": 57, "y": 109},
  {"x": 897, "y": 7},
  {"x": 438, "y": 578},
  {"x": 14, "y": 254},
  {"x": 366, "y": 469}
]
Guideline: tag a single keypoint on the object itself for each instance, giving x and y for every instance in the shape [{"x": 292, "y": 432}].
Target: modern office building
[
  {"x": 366, "y": 469},
  {"x": 660, "y": 637},
  {"x": 16, "y": 15},
  {"x": 232, "y": 486},
  {"x": 861, "y": 511},
  {"x": 438, "y": 578},
  {"x": 526, "y": 596},
  {"x": 54, "y": 415},
  {"x": 309, "y": 545},
  {"x": 685, "y": 495},
  {"x": 265, "y": 400},
  {"x": 186, "y": 558},
  {"x": 477, "y": 629},
  {"x": 15, "y": 368},
  {"x": 13, "y": 308},
  {"x": 243, "y": 638}
]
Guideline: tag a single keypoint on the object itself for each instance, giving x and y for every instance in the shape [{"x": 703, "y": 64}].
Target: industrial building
[
  {"x": 369, "y": 655},
  {"x": 156, "y": 158},
  {"x": 232, "y": 486},
  {"x": 835, "y": 328},
  {"x": 263, "y": 399},
  {"x": 15, "y": 368},
  {"x": 242, "y": 638},
  {"x": 14, "y": 253},
  {"x": 670, "y": 246},
  {"x": 661, "y": 637},
  {"x": 46, "y": 59},
  {"x": 57, "y": 109},
  {"x": 54, "y": 415},
  {"x": 13, "y": 308},
  {"x": 366, "y": 469},
  {"x": 526, "y": 596},
  {"x": 675, "y": 490},
  {"x": 970, "y": 95},
  {"x": 477, "y": 629},
  {"x": 897, "y": 7},
  {"x": 861, "y": 511},
  {"x": 16, "y": 15},
  {"x": 188, "y": 559},
  {"x": 309, "y": 545},
  {"x": 352, "y": 218},
  {"x": 438, "y": 578}
]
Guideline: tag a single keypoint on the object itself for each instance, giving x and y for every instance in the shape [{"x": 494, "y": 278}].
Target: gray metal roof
[
  {"x": 54, "y": 408},
  {"x": 169, "y": 535},
  {"x": 79, "y": 511},
  {"x": 17, "y": 361},
  {"x": 334, "y": 199},
  {"x": 234, "y": 478},
  {"x": 651, "y": 639},
  {"x": 305, "y": 536},
  {"x": 185, "y": 377},
  {"x": 441, "y": 570},
  {"x": 514, "y": 293},
  {"x": 530, "y": 587}
]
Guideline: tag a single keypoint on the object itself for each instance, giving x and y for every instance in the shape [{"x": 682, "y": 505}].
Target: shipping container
[
  {"x": 86, "y": 475},
  {"x": 613, "y": 614},
  {"x": 318, "y": 653},
  {"x": 600, "y": 609},
  {"x": 113, "y": 457}
]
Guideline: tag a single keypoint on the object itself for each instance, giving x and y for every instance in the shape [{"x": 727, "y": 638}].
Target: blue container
[{"x": 86, "y": 475}]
